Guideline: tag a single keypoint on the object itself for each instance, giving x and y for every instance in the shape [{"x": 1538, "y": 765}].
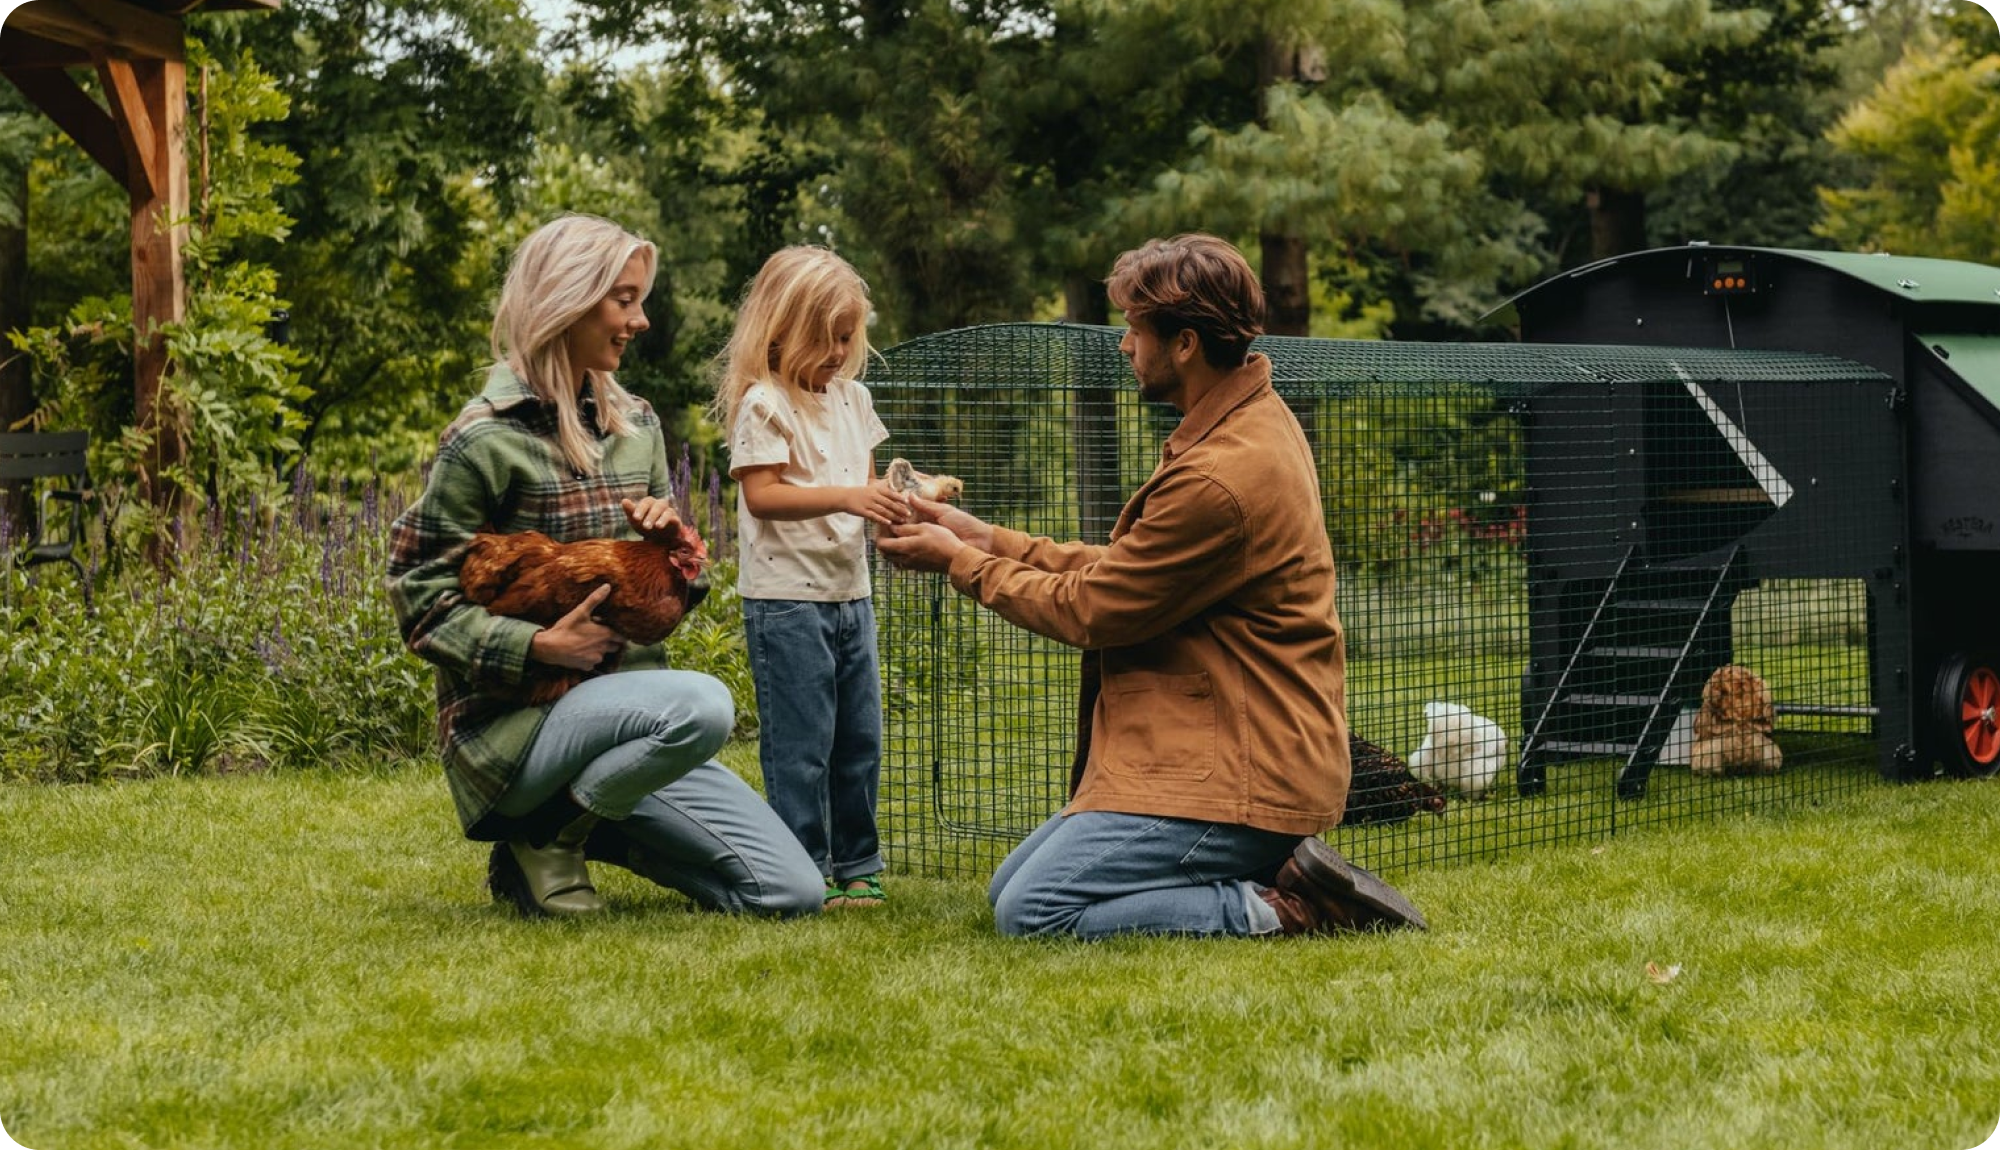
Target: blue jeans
[
  {"x": 637, "y": 747},
  {"x": 819, "y": 706},
  {"x": 1094, "y": 874}
]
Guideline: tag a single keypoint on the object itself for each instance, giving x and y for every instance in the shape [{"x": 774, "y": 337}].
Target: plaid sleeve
[{"x": 426, "y": 544}]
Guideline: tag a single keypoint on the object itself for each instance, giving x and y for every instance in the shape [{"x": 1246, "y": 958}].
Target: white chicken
[{"x": 1461, "y": 750}]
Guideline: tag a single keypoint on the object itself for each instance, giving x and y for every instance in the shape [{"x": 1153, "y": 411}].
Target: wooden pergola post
[{"x": 138, "y": 51}]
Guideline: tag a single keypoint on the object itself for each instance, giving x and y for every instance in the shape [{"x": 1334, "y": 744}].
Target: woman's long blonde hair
[
  {"x": 558, "y": 275},
  {"x": 785, "y": 326}
]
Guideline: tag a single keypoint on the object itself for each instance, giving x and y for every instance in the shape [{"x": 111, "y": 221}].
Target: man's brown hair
[{"x": 1192, "y": 281}]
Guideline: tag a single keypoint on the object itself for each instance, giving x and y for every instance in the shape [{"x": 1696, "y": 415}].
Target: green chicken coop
[{"x": 1692, "y": 458}]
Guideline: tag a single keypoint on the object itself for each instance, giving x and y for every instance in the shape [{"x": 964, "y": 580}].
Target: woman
[{"x": 621, "y": 768}]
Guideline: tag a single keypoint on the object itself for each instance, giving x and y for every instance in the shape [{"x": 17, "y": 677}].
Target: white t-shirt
[{"x": 822, "y": 441}]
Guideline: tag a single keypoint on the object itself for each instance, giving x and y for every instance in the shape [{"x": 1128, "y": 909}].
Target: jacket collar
[
  {"x": 1233, "y": 391},
  {"x": 504, "y": 390}
]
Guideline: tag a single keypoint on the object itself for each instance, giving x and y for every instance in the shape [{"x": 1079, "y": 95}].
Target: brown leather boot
[{"x": 1319, "y": 892}]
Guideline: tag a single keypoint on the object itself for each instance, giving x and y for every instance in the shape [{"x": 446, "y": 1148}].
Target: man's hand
[
  {"x": 920, "y": 546},
  {"x": 968, "y": 527},
  {"x": 576, "y": 640}
]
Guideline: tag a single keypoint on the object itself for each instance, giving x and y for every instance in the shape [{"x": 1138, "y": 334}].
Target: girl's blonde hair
[
  {"x": 787, "y": 322},
  {"x": 562, "y": 271}
]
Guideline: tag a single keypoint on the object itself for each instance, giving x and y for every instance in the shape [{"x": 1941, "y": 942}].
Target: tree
[
  {"x": 414, "y": 122},
  {"x": 1774, "y": 97},
  {"x": 1925, "y": 139}
]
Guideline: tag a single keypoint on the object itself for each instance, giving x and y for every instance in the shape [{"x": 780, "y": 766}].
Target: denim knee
[
  {"x": 793, "y": 896},
  {"x": 710, "y": 715},
  {"x": 1016, "y": 914}
]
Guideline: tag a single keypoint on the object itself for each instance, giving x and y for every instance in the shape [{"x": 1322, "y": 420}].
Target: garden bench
[{"x": 49, "y": 469}]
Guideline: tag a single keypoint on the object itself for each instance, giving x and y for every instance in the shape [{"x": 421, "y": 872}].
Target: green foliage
[
  {"x": 231, "y": 391},
  {"x": 711, "y": 641},
  {"x": 413, "y": 122},
  {"x": 1925, "y": 140},
  {"x": 268, "y": 646}
]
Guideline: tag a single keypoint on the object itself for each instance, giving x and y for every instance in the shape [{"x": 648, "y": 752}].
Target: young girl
[
  {"x": 622, "y": 767},
  {"x": 801, "y": 445}
]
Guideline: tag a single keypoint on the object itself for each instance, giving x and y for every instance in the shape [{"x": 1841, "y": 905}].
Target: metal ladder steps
[
  {"x": 1661, "y": 604},
  {"x": 1647, "y": 652},
  {"x": 1596, "y": 699},
  {"x": 1587, "y": 747}
]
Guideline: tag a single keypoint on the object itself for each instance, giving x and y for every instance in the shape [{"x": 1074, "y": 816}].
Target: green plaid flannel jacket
[{"x": 499, "y": 468}]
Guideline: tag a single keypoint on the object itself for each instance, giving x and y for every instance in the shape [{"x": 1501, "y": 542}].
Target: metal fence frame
[{"x": 1501, "y": 515}]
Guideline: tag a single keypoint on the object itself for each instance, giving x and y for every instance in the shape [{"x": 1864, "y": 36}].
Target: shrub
[{"x": 269, "y": 645}]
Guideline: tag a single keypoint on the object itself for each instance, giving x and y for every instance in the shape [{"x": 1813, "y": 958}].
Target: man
[{"x": 1213, "y": 734}]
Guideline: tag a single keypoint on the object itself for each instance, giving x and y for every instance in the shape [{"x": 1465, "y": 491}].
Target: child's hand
[
  {"x": 653, "y": 518},
  {"x": 880, "y": 504}
]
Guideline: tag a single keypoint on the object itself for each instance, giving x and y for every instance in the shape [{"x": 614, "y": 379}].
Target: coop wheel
[{"x": 1967, "y": 708}]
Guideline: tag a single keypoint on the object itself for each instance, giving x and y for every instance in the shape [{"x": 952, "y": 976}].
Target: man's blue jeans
[
  {"x": 819, "y": 710},
  {"x": 1096, "y": 873}
]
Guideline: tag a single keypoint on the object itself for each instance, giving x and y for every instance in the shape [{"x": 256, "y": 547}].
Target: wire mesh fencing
[{"x": 1549, "y": 557}]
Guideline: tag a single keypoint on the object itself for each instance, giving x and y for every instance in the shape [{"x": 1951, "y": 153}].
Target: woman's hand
[
  {"x": 652, "y": 517},
  {"x": 577, "y": 641},
  {"x": 879, "y": 503},
  {"x": 969, "y": 528}
]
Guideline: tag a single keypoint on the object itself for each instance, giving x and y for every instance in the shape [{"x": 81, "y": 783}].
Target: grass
[{"x": 306, "y": 960}]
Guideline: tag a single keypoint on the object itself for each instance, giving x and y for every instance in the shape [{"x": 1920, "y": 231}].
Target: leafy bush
[{"x": 269, "y": 645}]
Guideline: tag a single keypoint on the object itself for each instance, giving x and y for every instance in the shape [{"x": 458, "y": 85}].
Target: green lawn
[{"x": 292, "y": 961}]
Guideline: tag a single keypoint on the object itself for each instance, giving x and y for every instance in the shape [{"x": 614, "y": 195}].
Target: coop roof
[
  {"x": 1068, "y": 356},
  {"x": 1913, "y": 277},
  {"x": 1921, "y": 285}
]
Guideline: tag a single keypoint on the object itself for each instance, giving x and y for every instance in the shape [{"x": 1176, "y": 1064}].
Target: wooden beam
[
  {"x": 159, "y": 229},
  {"x": 135, "y": 120},
  {"x": 20, "y": 49},
  {"x": 109, "y": 26},
  {"x": 72, "y": 109}
]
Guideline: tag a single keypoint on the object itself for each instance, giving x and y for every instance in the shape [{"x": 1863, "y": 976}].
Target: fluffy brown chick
[{"x": 936, "y": 488}]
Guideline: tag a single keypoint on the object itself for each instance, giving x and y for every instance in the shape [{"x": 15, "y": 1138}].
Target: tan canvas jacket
[{"x": 1213, "y": 651}]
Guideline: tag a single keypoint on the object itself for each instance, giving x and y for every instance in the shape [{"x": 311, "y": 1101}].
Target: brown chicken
[
  {"x": 655, "y": 582},
  {"x": 1382, "y": 789}
]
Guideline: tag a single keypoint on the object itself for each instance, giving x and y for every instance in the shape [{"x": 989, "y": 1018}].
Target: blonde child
[{"x": 802, "y": 434}]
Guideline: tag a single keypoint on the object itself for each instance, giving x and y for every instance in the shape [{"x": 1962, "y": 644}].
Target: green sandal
[
  {"x": 863, "y": 891},
  {"x": 834, "y": 895}
]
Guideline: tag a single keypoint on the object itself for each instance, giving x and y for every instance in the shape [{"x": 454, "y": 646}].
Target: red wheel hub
[{"x": 1977, "y": 706}]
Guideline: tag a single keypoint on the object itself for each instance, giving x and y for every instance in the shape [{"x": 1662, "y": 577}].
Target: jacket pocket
[{"x": 1157, "y": 726}]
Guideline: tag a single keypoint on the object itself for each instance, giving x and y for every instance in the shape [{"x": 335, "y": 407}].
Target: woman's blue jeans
[
  {"x": 819, "y": 711},
  {"x": 1094, "y": 874},
  {"x": 638, "y": 747}
]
